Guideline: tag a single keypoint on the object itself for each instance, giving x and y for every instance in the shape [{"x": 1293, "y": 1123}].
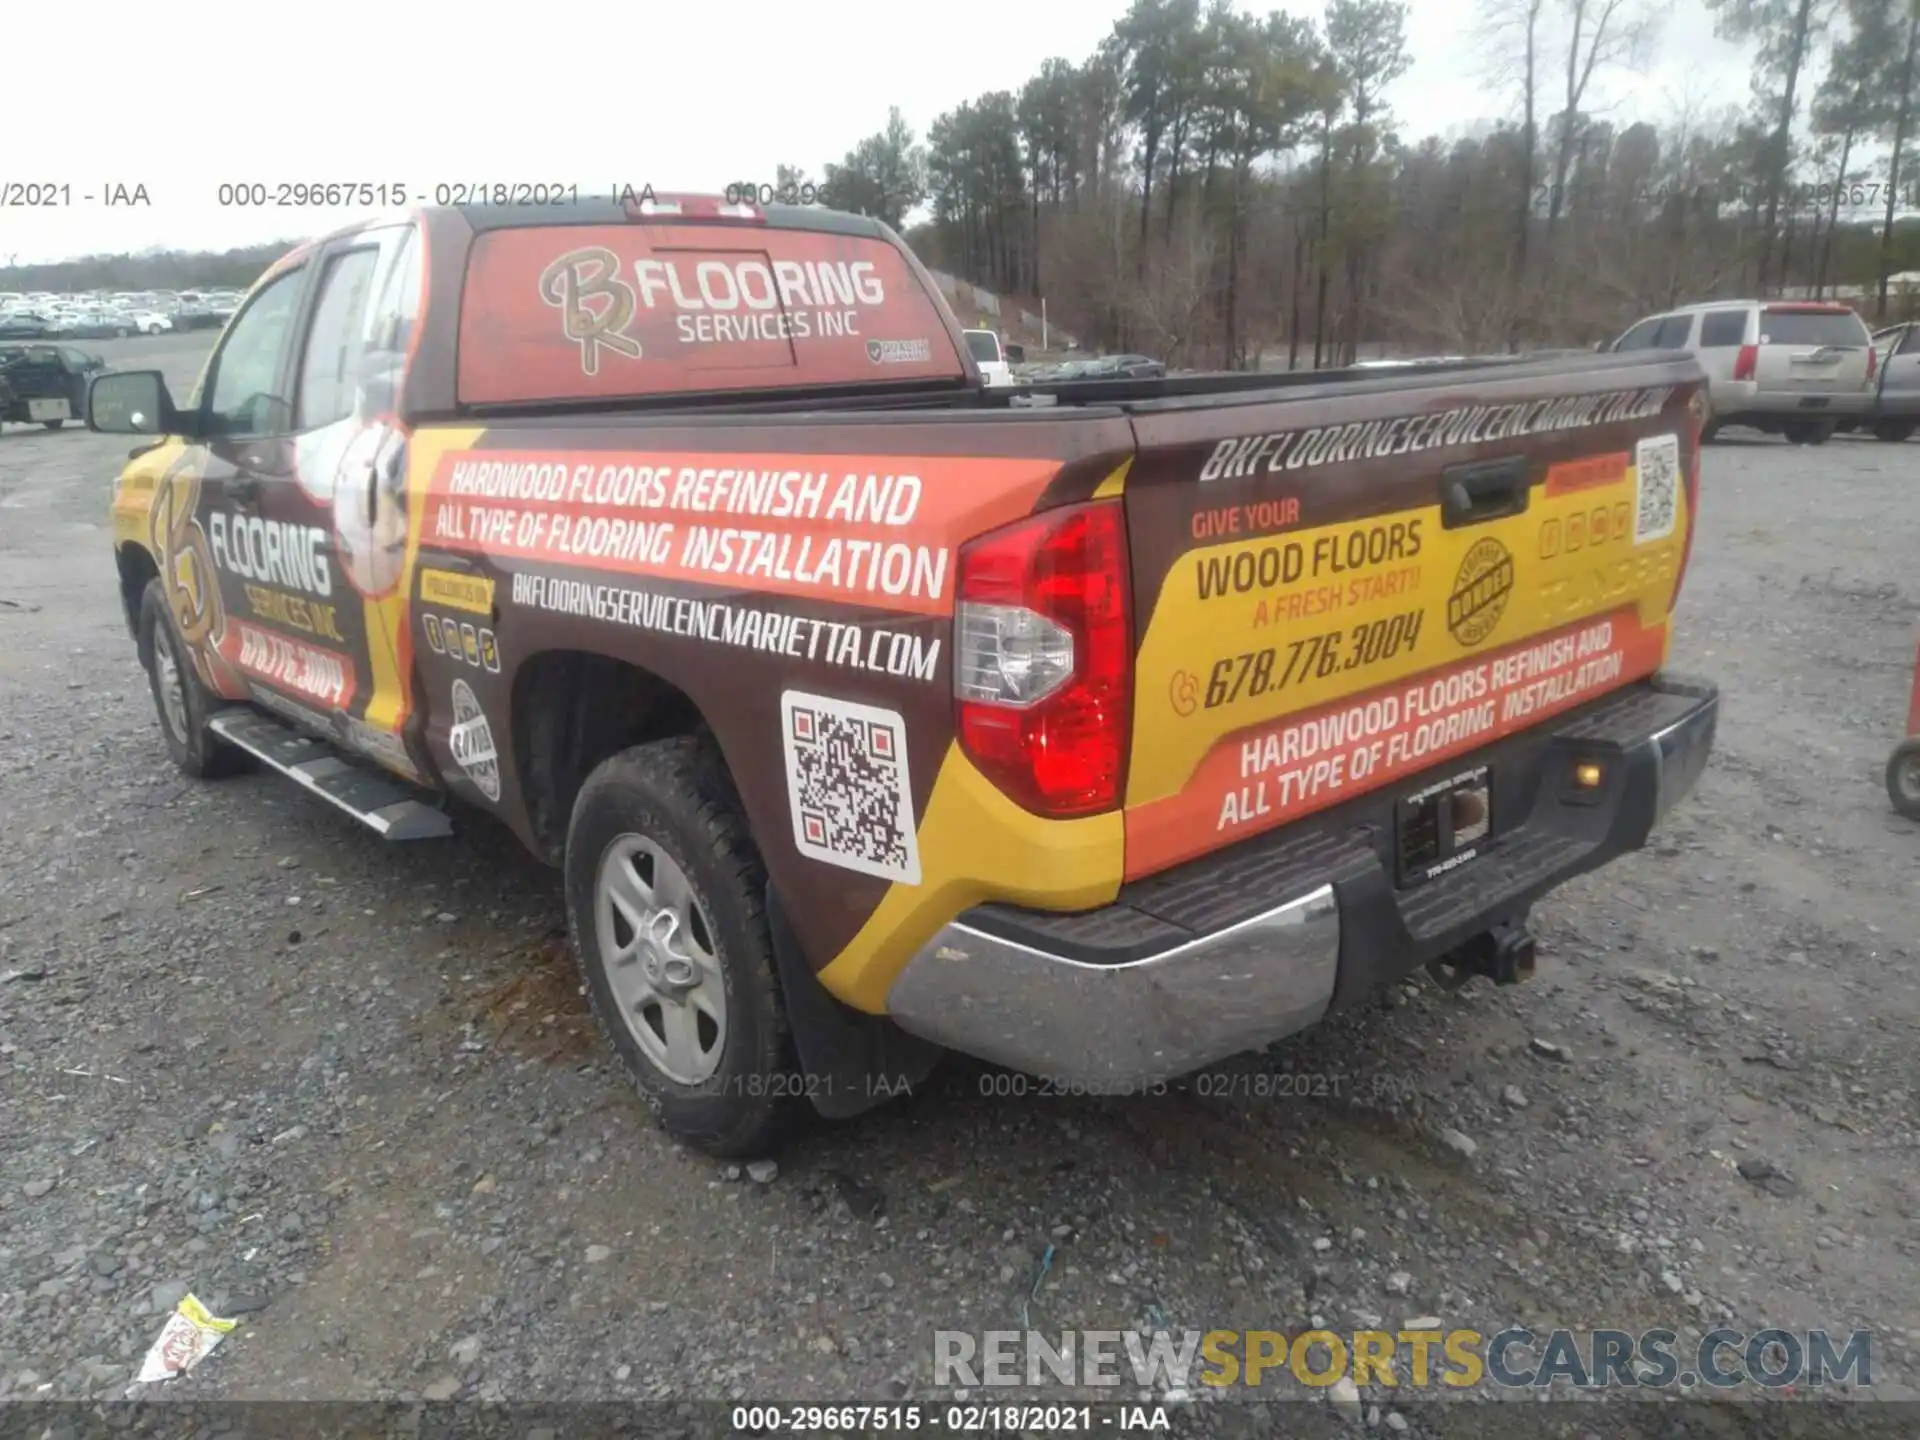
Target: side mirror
[{"x": 131, "y": 402}]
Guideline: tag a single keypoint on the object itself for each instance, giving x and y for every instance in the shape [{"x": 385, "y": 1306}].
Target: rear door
[
  {"x": 1812, "y": 350},
  {"x": 350, "y": 472},
  {"x": 1899, "y": 351},
  {"x": 1339, "y": 592}
]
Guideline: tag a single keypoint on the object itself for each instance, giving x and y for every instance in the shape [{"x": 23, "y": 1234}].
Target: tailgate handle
[{"x": 1481, "y": 490}]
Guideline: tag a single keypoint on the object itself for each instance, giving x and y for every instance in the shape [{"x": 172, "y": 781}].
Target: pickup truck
[{"x": 1102, "y": 730}]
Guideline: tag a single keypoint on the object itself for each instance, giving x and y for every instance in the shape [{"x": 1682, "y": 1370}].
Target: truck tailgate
[{"x": 1338, "y": 592}]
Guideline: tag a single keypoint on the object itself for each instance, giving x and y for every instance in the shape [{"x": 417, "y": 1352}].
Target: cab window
[
  {"x": 362, "y": 327},
  {"x": 329, "y": 369},
  {"x": 241, "y": 399}
]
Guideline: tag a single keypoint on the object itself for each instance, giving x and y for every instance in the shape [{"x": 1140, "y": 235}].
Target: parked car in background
[
  {"x": 151, "y": 322},
  {"x": 95, "y": 324},
  {"x": 23, "y": 325},
  {"x": 196, "y": 315},
  {"x": 47, "y": 384},
  {"x": 1893, "y": 413},
  {"x": 990, "y": 356},
  {"x": 1794, "y": 368}
]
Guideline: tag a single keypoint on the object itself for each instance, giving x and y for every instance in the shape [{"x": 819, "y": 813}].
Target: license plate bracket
[{"x": 1442, "y": 826}]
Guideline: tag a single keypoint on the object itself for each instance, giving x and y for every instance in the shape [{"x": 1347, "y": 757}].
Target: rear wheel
[
  {"x": 182, "y": 702},
  {"x": 1903, "y": 778},
  {"x": 1709, "y": 420},
  {"x": 1891, "y": 431},
  {"x": 666, "y": 902}
]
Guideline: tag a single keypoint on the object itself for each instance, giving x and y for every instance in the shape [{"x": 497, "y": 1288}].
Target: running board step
[{"x": 383, "y": 804}]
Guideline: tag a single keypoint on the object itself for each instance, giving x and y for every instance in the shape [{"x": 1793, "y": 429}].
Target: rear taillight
[
  {"x": 1745, "y": 362},
  {"x": 1043, "y": 659},
  {"x": 1873, "y": 361}
]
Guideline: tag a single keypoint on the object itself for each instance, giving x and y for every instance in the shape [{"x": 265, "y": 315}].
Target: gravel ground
[{"x": 349, "y": 1094}]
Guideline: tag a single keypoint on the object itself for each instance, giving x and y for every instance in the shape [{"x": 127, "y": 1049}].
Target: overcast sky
[{"x": 596, "y": 92}]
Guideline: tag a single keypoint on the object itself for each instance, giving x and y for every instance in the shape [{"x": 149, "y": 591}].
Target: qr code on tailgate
[
  {"x": 1656, "y": 461},
  {"x": 847, "y": 786}
]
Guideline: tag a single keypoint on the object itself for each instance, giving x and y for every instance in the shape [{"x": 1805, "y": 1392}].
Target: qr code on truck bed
[
  {"x": 1656, "y": 463},
  {"x": 847, "y": 785}
]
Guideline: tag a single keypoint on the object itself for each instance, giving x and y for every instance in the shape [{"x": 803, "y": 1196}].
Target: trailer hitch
[{"x": 1504, "y": 954}]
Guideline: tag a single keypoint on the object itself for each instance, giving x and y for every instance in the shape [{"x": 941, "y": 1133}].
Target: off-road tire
[
  {"x": 677, "y": 794},
  {"x": 1892, "y": 432},
  {"x": 1903, "y": 778},
  {"x": 198, "y": 752}
]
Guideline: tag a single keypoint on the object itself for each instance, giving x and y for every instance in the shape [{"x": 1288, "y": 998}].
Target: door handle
[{"x": 1477, "y": 491}]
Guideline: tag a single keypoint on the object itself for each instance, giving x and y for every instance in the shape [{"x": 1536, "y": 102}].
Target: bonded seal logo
[
  {"x": 471, "y": 741},
  {"x": 898, "y": 352},
  {"x": 1480, "y": 592}
]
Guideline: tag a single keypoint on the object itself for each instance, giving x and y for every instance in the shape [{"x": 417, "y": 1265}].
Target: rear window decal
[{"x": 580, "y": 312}]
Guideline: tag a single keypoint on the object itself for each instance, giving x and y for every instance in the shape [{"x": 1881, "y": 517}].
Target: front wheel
[
  {"x": 666, "y": 902},
  {"x": 1903, "y": 778},
  {"x": 1893, "y": 432},
  {"x": 178, "y": 696}
]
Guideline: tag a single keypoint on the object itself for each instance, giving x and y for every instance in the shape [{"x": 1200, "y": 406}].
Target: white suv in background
[
  {"x": 1788, "y": 367},
  {"x": 990, "y": 356}
]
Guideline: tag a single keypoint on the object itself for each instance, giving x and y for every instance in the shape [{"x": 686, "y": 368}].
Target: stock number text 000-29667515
[{"x": 1260, "y": 672}]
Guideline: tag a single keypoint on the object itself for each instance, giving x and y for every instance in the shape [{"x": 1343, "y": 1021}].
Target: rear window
[
  {"x": 1812, "y": 327},
  {"x": 587, "y": 312}
]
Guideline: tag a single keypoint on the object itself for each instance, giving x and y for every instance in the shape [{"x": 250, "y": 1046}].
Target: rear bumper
[
  {"x": 1757, "y": 404},
  {"x": 1241, "y": 948}
]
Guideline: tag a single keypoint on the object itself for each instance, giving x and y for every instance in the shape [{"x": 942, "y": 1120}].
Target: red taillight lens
[
  {"x": 1043, "y": 659},
  {"x": 1873, "y": 361},
  {"x": 1745, "y": 362}
]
